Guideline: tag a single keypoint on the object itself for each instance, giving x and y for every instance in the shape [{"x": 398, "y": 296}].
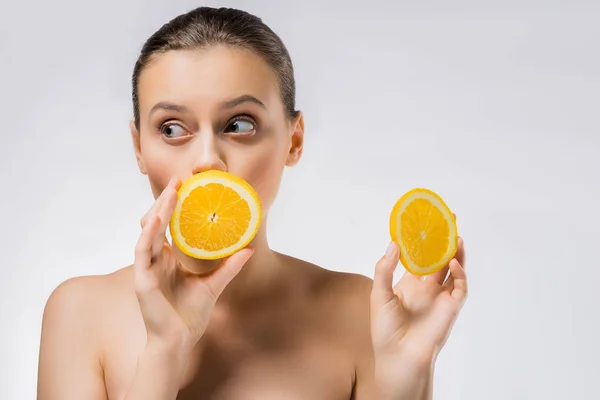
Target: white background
[{"x": 495, "y": 106}]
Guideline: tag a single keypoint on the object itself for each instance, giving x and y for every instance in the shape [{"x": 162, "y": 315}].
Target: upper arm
[
  {"x": 362, "y": 347},
  {"x": 365, "y": 387},
  {"x": 69, "y": 363}
]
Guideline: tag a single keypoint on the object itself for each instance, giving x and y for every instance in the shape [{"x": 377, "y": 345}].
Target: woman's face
[{"x": 217, "y": 108}]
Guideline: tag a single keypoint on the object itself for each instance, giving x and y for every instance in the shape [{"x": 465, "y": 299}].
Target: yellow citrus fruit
[
  {"x": 425, "y": 230},
  {"x": 216, "y": 215}
]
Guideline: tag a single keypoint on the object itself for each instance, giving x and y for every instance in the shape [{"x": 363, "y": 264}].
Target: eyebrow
[
  {"x": 165, "y": 105},
  {"x": 246, "y": 98}
]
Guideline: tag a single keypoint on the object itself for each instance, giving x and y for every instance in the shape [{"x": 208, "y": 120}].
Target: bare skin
[
  {"x": 258, "y": 325},
  {"x": 302, "y": 338}
]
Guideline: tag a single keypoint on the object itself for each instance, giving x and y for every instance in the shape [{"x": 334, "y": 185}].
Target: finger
[
  {"x": 148, "y": 291},
  {"x": 143, "y": 248},
  {"x": 227, "y": 270},
  {"x": 383, "y": 290},
  {"x": 450, "y": 282},
  {"x": 438, "y": 277},
  {"x": 457, "y": 282},
  {"x": 156, "y": 206},
  {"x": 460, "y": 257},
  {"x": 164, "y": 213},
  {"x": 152, "y": 211},
  {"x": 460, "y": 252}
]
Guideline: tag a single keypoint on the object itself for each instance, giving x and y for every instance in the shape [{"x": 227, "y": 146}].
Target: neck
[{"x": 255, "y": 276}]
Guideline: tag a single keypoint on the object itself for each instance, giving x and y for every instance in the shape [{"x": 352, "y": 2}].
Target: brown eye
[
  {"x": 172, "y": 131},
  {"x": 241, "y": 127}
]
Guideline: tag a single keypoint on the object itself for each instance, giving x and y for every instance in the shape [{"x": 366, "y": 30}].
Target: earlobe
[
  {"x": 297, "y": 145},
  {"x": 137, "y": 146}
]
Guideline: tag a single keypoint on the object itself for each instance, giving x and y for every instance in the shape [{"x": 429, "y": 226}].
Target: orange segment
[
  {"x": 217, "y": 214},
  {"x": 425, "y": 230}
]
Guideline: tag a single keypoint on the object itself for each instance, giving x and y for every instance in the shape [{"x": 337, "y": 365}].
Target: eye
[
  {"x": 241, "y": 126},
  {"x": 172, "y": 130}
]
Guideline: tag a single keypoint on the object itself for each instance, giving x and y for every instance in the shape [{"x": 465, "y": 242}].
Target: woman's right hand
[{"x": 175, "y": 303}]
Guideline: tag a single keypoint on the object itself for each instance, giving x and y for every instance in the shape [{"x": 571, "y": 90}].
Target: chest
[
  {"x": 307, "y": 372},
  {"x": 275, "y": 361}
]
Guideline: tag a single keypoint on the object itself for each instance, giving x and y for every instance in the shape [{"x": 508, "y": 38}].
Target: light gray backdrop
[{"x": 495, "y": 105}]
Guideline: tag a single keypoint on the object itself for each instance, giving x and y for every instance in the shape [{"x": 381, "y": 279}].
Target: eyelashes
[
  {"x": 238, "y": 126},
  {"x": 169, "y": 130},
  {"x": 241, "y": 125}
]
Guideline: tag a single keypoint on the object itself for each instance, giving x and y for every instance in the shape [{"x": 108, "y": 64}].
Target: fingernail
[{"x": 390, "y": 250}]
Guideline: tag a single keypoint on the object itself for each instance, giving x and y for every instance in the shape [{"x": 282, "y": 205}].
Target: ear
[
  {"x": 295, "y": 153},
  {"x": 137, "y": 146}
]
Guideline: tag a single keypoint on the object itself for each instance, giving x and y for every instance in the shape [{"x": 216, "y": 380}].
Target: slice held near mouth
[{"x": 216, "y": 215}]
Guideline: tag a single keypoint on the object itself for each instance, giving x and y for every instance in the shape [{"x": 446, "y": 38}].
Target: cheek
[
  {"x": 263, "y": 171},
  {"x": 159, "y": 179},
  {"x": 158, "y": 169}
]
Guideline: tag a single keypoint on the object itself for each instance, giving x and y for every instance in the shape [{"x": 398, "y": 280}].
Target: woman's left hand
[{"x": 411, "y": 321}]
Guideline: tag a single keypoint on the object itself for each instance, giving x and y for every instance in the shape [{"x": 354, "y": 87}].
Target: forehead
[{"x": 206, "y": 76}]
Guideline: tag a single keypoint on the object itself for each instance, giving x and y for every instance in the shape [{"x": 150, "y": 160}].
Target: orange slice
[
  {"x": 425, "y": 230},
  {"x": 216, "y": 215}
]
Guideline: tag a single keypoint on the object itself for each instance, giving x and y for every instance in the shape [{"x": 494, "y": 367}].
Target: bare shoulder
[
  {"x": 81, "y": 295},
  {"x": 348, "y": 295},
  {"x": 334, "y": 285},
  {"x": 344, "y": 295},
  {"x": 70, "y": 356},
  {"x": 79, "y": 305}
]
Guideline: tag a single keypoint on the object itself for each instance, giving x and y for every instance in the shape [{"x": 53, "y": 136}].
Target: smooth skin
[{"x": 259, "y": 324}]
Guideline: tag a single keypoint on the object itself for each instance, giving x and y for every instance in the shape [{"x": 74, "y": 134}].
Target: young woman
[{"x": 214, "y": 89}]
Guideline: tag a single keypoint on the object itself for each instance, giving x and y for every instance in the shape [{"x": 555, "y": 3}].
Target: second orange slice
[{"x": 425, "y": 230}]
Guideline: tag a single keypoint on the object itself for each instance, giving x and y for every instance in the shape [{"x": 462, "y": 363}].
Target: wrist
[
  {"x": 160, "y": 369},
  {"x": 405, "y": 375},
  {"x": 413, "y": 358},
  {"x": 175, "y": 350}
]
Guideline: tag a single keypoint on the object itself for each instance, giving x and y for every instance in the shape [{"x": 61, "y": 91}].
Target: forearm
[
  {"x": 158, "y": 373},
  {"x": 414, "y": 381},
  {"x": 418, "y": 389}
]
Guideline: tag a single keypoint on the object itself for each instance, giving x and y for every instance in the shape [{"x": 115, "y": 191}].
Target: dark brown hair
[{"x": 206, "y": 26}]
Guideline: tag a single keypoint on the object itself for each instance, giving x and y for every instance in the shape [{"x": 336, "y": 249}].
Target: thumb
[
  {"x": 228, "y": 270},
  {"x": 382, "y": 291}
]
